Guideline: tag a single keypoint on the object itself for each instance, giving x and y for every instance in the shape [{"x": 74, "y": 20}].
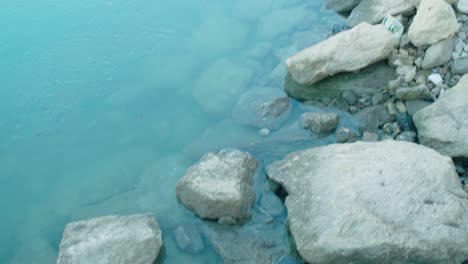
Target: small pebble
[
  {"x": 401, "y": 107},
  {"x": 264, "y": 132}
]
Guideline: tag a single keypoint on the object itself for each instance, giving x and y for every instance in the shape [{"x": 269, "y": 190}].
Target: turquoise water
[{"x": 104, "y": 105}]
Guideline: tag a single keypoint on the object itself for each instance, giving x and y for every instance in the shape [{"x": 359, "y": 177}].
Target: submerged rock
[
  {"x": 374, "y": 213},
  {"x": 443, "y": 125},
  {"x": 133, "y": 239},
  {"x": 374, "y": 11},
  {"x": 252, "y": 245},
  {"x": 413, "y": 92},
  {"x": 320, "y": 122},
  {"x": 435, "y": 20},
  {"x": 188, "y": 238},
  {"x": 220, "y": 185},
  {"x": 371, "y": 118},
  {"x": 346, "y": 51},
  {"x": 460, "y": 66},
  {"x": 262, "y": 108},
  {"x": 341, "y": 6}
]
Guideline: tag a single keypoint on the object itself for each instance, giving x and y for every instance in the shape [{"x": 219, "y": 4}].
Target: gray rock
[
  {"x": 443, "y": 125},
  {"x": 349, "y": 97},
  {"x": 460, "y": 66},
  {"x": 262, "y": 108},
  {"x": 370, "y": 136},
  {"x": 414, "y": 92},
  {"x": 392, "y": 109},
  {"x": 413, "y": 106},
  {"x": 438, "y": 54},
  {"x": 373, "y": 117},
  {"x": 341, "y": 6},
  {"x": 220, "y": 185},
  {"x": 188, "y": 238},
  {"x": 392, "y": 129},
  {"x": 344, "y": 135},
  {"x": 250, "y": 245},
  {"x": 374, "y": 11},
  {"x": 320, "y": 122},
  {"x": 396, "y": 59},
  {"x": 462, "y": 6},
  {"x": 133, "y": 239},
  {"x": 377, "y": 98},
  {"x": 346, "y": 51},
  {"x": 367, "y": 81},
  {"x": 401, "y": 107},
  {"x": 409, "y": 136},
  {"x": 435, "y": 20},
  {"x": 374, "y": 213}
]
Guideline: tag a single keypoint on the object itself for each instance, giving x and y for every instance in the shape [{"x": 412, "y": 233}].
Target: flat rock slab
[
  {"x": 133, "y": 239},
  {"x": 346, "y": 51},
  {"x": 220, "y": 185},
  {"x": 434, "y": 21},
  {"x": 383, "y": 202},
  {"x": 443, "y": 125}
]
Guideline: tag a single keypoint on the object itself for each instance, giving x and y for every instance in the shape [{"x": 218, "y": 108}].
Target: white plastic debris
[
  {"x": 393, "y": 25},
  {"x": 435, "y": 78}
]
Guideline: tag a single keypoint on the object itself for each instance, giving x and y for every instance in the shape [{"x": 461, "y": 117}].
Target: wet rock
[
  {"x": 252, "y": 245},
  {"x": 341, "y": 6},
  {"x": 366, "y": 82},
  {"x": 460, "y": 66},
  {"x": 262, "y": 108},
  {"x": 391, "y": 129},
  {"x": 374, "y": 11},
  {"x": 435, "y": 20},
  {"x": 413, "y": 106},
  {"x": 111, "y": 239},
  {"x": 320, "y": 122},
  {"x": 409, "y": 136},
  {"x": 347, "y": 51},
  {"x": 438, "y": 54},
  {"x": 220, "y": 185},
  {"x": 349, "y": 97},
  {"x": 377, "y": 98},
  {"x": 372, "y": 118},
  {"x": 370, "y": 136},
  {"x": 188, "y": 238},
  {"x": 396, "y": 59},
  {"x": 344, "y": 135},
  {"x": 443, "y": 125},
  {"x": 401, "y": 107},
  {"x": 387, "y": 216},
  {"x": 414, "y": 92}
]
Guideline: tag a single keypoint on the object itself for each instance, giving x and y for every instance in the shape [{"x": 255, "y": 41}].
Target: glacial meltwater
[{"x": 105, "y": 104}]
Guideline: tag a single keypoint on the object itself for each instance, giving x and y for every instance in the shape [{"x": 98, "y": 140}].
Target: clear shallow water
[{"x": 105, "y": 104}]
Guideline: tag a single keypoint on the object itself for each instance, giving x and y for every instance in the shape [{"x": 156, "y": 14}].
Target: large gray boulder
[
  {"x": 434, "y": 21},
  {"x": 220, "y": 185},
  {"x": 374, "y": 11},
  {"x": 341, "y": 6},
  {"x": 346, "y": 51},
  {"x": 133, "y": 239},
  {"x": 384, "y": 202},
  {"x": 443, "y": 125}
]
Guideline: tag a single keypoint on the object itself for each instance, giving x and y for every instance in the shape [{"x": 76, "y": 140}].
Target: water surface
[{"x": 105, "y": 104}]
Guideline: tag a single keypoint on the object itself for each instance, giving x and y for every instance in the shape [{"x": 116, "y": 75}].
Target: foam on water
[{"x": 105, "y": 104}]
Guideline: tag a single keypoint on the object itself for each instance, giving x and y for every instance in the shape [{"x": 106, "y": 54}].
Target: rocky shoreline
[{"x": 393, "y": 191}]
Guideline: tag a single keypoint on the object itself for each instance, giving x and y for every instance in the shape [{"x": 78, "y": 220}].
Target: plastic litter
[
  {"x": 393, "y": 25},
  {"x": 435, "y": 78}
]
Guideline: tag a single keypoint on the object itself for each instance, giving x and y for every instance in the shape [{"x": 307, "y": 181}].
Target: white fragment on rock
[
  {"x": 393, "y": 25},
  {"x": 435, "y": 78}
]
